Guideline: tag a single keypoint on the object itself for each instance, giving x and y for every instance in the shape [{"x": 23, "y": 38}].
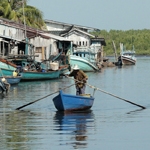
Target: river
[{"x": 112, "y": 123}]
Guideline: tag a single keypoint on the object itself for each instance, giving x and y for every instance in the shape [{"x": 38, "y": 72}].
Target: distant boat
[
  {"x": 12, "y": 80},
  {"x": 68, "y": 102},
  {"x": 127, "y": 56}
]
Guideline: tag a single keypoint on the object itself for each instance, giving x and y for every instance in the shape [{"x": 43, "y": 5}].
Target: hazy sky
[{"x": 101, "y": 14}]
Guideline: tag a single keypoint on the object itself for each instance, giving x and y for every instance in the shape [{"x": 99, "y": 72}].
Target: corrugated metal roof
[
  {"x": 76, "y": 29},
  {"x": 56, "y": 37},
  {"x": 11, "y": 38},
  {"x": 67, "y": 24}
]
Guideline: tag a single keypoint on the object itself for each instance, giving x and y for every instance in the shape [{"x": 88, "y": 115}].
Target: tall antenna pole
[{"x": 24, "y": 20}]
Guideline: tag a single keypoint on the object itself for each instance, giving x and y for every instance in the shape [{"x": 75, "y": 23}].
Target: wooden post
[
  {"x": 8, "y": 49},
  {"x": 3, "y": 49},
  {"x": 102, "y": 54},
  {"x": 43, "y": 53},
  {"x": 114, "y": 46},
  {"x": 0, "y": 49}
]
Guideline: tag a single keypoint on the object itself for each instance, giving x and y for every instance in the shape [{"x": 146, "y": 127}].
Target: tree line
[
  {"x": 21, "y": 12},
  {"x": 137, "y": 38}
]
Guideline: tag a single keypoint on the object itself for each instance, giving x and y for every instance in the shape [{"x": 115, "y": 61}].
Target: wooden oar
[
  {"x": 117, "y": 96},
  {"x": 109, "y": 93},
  {"x": 42, "y": 98}
]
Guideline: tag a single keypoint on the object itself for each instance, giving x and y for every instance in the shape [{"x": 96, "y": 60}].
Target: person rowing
[{"x": 80, "y": 79}]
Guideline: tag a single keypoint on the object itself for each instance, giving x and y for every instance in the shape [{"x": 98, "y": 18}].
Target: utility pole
[{"x": 24, "y": 20}]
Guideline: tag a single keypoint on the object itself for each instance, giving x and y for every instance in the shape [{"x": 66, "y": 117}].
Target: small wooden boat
[
  {"x": 32, "y": 70},
  {"x": 34, "y": 75},
  {"x": 12, "y": 80},
  {"x": 67, "y": 102}
]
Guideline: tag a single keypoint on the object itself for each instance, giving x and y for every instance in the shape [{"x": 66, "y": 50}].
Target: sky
[{"x": 100, "y": 14}]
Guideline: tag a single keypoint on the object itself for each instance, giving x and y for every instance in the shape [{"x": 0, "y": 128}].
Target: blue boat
[
  {"x": 12, "y": 80},
  {"x": 67, "y": 102}
]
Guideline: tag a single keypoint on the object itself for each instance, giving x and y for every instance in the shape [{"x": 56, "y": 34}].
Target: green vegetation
[
  {"x": 138, "y": 38},
  {"x": 13, "y": 10}
]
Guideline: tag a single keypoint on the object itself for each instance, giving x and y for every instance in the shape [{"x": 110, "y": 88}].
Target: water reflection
[
  {"x": 15, "y": 133},
  {"x": 75, "y": 124},
  {"x": 135, "y": 111}
]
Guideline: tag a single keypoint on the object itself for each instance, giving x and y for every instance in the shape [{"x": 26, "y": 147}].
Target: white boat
[
  {"x": 87, "y": 58},
  {"x": 83, "y": 62},
  {"x": 127, "y": 56}
]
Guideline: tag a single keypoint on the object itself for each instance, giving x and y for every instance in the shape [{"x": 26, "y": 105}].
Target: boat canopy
[
  {"x": 85, "y": 52},
  {"x": 128, "y": 52}
]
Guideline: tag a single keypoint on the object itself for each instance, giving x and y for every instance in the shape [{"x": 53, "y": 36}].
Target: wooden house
[
  {"x": 18, "y": 40},
  {"x": 79, "y": 35},
  {"x": 85, "y": 45},
  {"x": 12, "y": 37}
]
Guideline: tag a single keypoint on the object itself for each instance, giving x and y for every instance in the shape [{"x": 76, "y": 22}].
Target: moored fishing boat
[
  {"x": 32, "y": 70},
  {"x": 68, "y": 102},
  {"x": 83, "y": 63},
  {"x": 6, "y": 67},
  {"x": 127, "y": 56},
  {"x": 34, "y": 75},
  {"x": 88, "y": 58}
]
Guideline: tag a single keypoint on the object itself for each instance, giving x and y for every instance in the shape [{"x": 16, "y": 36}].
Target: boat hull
[
  {"x": 12, "y": 80},
  {"x": 83, "y": 64},
  {"x": 128, "y": 61},
  {"x": 6, "y": 69},
  {"x": 30, "y": 75},
  {"x": 67, "y": 102}
]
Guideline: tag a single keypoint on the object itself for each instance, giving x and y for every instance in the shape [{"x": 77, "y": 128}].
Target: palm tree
[
  {"x": 5, "y": 9},
  {"x": 19, "y": 11}
]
